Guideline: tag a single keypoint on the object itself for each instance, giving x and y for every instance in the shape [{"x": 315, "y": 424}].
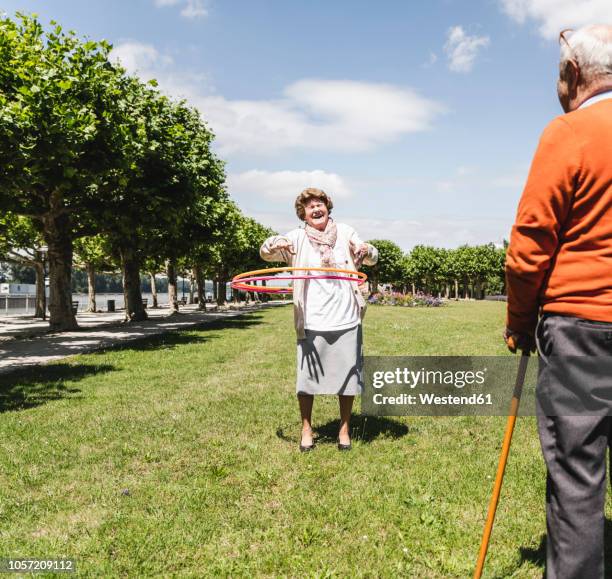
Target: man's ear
[{"x": 573, "y": 76}]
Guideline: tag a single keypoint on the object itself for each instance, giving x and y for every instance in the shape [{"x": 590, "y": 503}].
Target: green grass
[{"x": 178, "y": 456}]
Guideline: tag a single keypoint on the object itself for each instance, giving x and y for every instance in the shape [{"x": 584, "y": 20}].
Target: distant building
[{"x": 17, "y": 288}]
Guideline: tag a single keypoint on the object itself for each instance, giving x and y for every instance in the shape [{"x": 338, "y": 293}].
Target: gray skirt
[{"x": 330, "y": 362}]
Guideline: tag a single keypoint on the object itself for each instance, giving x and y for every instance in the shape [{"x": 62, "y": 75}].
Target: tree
[
  {"x": 496, "y": 278},
  {"x": 204, "y": 220},
  {"x": 153, "y": 266},
  {"x": 235, "y": 248},
  {"x": 249, "y": 259},
  {"x": 22, "y": 244},
  {"x": 92, "y": 253},
  {"x": 162, "y": 200},
  {"x": 429, "y": 267},
  {"x": 64, "y": 126},
  {"x": 409, "y": 273},
  {"x": 474, "y": 264},
  {"x": 388, "y": 269}
]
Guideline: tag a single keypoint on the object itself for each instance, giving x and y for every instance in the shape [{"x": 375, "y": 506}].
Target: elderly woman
[{"x": 327, "y": 312}]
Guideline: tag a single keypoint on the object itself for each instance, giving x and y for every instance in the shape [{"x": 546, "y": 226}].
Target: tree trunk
[
  {"x": 91, "y": 287},
  {"x": 134, "y": 310},
  {"x": 41, "y": 297},
  {"x": 201, "y": 285},
  {"x": 172, "y": 289},
  {"x": 374, "y": 284},
  {"x": 446, "y": 291},
  {"x": 215, "y": 289},
  {"x": 191, "y": 288},
  {"x": 221, "y": 292},
  {"x": 58, "y": 240},
  {"x": 456, "y": 289},
  {"x": 477, "y": 290},
  {"x": 153, "y": 290}
]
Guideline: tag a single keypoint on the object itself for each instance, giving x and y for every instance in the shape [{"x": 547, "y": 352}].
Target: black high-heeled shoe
[
  {"x": 344, "y": 446},
  {"x": 310, "y": 447}
]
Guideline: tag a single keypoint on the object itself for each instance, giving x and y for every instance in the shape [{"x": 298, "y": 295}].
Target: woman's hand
[
  {"x": 359, "y": 252},
  {"x": 284, "y": 244}
]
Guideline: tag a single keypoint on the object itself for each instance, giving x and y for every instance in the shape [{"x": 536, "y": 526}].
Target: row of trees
[
  {"x": 468, "y": 271},
  {"x": 102, "y": 172}
]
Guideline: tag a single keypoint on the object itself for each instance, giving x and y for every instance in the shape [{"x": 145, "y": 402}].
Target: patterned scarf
[{"x": 324, "y": 242}]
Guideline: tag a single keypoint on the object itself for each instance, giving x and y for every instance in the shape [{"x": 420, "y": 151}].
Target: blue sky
[{"x": 419, "y": 118}]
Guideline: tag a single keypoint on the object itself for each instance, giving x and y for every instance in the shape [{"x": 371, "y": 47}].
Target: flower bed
[{"x": 406, "y": 300}]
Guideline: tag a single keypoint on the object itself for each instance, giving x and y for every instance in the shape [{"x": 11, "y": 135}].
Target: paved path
[{"x": 24, "y": 341}]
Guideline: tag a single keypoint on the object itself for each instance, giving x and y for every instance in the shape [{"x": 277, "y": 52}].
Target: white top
[
  {"x": 595, "y": 99},
  {"x": 330, "y": 304}
]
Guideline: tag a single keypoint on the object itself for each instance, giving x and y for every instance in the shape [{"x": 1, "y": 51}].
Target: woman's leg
[
  {"x": 346, "y": 405},
  {"x": 306, "y": 401}
]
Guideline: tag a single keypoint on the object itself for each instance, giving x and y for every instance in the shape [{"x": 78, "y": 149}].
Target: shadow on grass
[
  {"x": 538, "y": 556},
  {"x": 34, "y": 386},
  {"x": 364, "y": 428},
  {"x": 183, "y": 336}
]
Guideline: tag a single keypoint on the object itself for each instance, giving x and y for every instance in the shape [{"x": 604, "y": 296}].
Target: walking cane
[{"x": 503, "y": 459}]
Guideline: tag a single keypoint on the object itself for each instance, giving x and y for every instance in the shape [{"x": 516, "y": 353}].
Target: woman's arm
[
  {"x": 364, "y": 253},
  {"x": 277, "y": 248}
]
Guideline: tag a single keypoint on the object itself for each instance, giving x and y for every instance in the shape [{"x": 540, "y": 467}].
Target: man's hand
[
  {"x": 284, "y": 244},
  {"x": 359, "y": 252},
  {"x": 517, "y": 341}
]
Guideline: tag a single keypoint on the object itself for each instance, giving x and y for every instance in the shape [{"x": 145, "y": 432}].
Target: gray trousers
[{"x": 574, "y": 446}]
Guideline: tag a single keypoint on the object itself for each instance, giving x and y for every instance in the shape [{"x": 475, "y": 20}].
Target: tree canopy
[{"x": 91, "y": 153}]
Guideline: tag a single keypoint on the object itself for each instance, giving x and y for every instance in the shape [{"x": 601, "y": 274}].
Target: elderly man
[{"x": 559, "y": 265}]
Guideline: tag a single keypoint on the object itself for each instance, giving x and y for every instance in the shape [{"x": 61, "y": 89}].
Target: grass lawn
[{"x": 178, "y": 456}]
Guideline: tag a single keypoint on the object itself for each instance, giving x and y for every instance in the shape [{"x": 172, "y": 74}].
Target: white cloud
[
  {"x": 194, "y": 9},
  {"x": 405, "y": 232},
  {"x": 191, "y": 8},
  {"x": 462, "y": 49},
  {"x": 319, "y": 114},
  {"x": 137, "y": 57},
  {"x": 148, "y": 63},
  {"x": 438, "y": 232},
  {"x": 284, "y": 185},
  {"x": 555, "y": 15},
  {"x": 324, "y": 115}
]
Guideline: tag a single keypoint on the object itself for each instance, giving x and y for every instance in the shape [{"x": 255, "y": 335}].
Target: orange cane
[{"x": 503, "y": 459}]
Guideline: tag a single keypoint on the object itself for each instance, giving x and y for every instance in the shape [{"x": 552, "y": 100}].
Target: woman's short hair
[{"x": 311, "y": 193}]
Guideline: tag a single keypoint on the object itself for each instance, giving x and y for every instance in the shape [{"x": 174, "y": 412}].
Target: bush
[{"x": 418, "y": 299}]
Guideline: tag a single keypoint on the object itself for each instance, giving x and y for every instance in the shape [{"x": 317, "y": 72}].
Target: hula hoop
[{"x": 243, "y": 281}]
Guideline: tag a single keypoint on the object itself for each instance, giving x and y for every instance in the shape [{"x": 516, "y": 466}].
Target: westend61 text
[
  {"x": 458, "y": 378},
  {"x": 432, "y": 399}
]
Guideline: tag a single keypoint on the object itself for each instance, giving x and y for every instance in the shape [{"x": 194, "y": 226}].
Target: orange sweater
[{"x": 560, "y": 254}]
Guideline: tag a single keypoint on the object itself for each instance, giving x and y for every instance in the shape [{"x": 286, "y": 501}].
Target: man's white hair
[{"x": 591, "y": 48}]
